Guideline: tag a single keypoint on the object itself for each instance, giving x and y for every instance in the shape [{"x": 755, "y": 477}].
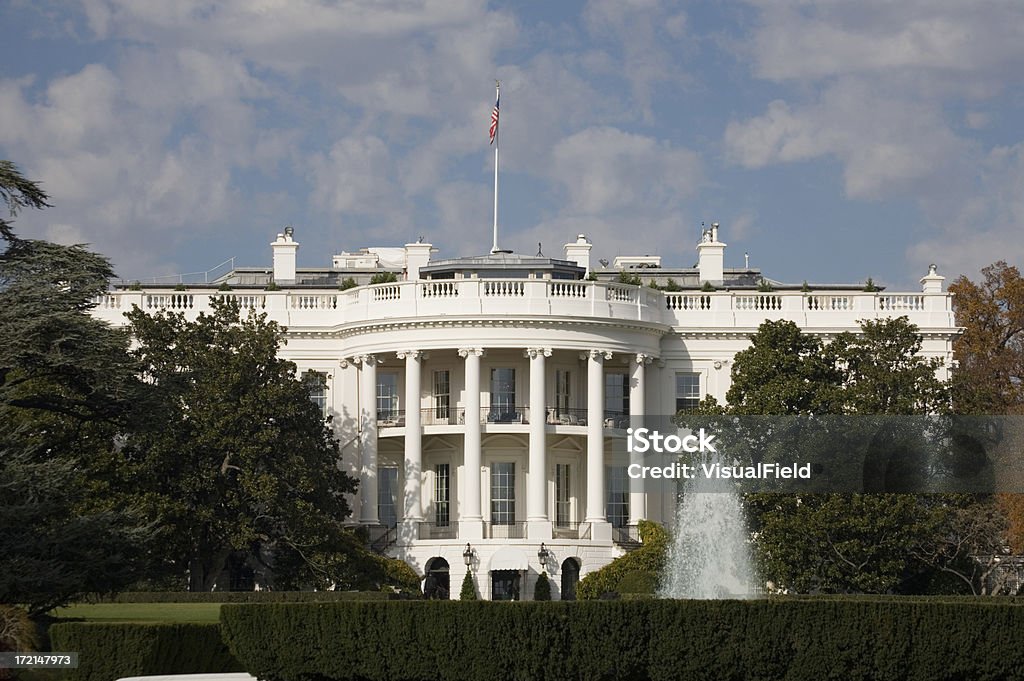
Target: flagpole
[{"x": 497, "y": 94}]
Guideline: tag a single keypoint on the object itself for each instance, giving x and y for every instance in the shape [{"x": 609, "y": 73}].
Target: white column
[
  {"x": 536, "y": 493},
  {"x": 595, "y": 439},
  {"x": 470, "y": 517},
  {"x": 637, "y": 411},
  {"x": 368, "y": 439},
  {"x": 413, "y": 437}
]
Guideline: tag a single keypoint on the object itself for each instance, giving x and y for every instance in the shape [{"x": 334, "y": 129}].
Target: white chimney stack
[
  {"x": 417, "y": 255},
  {"x": 932, "y": 282},
  {"x": 579, "y": 252},
  {"x": 284, "y": 250},
  {"x": 711, "y": 256}
]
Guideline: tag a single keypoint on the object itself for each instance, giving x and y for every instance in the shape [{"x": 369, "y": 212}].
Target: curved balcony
[{"x": 393, "y": 419}]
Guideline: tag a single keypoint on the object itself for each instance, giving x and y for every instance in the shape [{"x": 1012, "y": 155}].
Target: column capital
[
  {"x": 466, "y": 352},
  {"x": 643, "y": 358},
  {"x": 411, "y": 354},
  {"x": 534, "y": 352},
  {"x": 596, "y": 354},
  {"x": 368, "y": 360}
]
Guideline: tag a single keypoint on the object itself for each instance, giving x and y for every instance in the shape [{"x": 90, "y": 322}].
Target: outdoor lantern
[
  {"x": 543, "y": 555},
  {"x": 467, "y": 555}
]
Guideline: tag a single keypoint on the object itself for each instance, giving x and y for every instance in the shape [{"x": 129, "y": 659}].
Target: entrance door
[
  {"x": 570, "y": 578},
  {"x": 505, "y": 585},
  {"x": 438, "y": 582}
]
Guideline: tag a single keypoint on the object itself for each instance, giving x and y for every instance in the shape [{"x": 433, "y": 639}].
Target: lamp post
[{"x": 467, "y": 555}]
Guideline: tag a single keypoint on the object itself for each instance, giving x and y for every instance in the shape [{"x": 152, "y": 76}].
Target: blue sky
[{"x": 833, "y": 140}]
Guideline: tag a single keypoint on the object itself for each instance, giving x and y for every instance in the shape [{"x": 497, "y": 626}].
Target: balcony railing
[
  {"x": 626, "y": 535},
  {"x": 515, "y": 530},
  {"x": 449, "y": 530},
  {"x": 450, "y": 416},
  {"x": 571, "y": 530}
]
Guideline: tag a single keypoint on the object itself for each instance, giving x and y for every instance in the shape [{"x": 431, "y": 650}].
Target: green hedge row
[
  {"x": 247, "y": 596},
  {"x": 650, "y": 639},
  {"x": 109, "y": 651}
]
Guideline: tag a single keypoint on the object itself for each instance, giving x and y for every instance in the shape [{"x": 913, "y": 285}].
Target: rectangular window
[
  {"x": 442, "y": 495},
  {"x": 617, "y": 495},
  {"x": 687, "y": 392},
  {"x": 317, "y": 382},
  {"x": 387, "y": 495},
  {"x": 503, "y": 493},
  {"x": 387, "y": 396},
  {"x": 563, "y": 500},
  {"x": 442, "y": 395},
  {"x": 563, "y": 381},
  {"x": 503, "y": 396},
  {"x": 616, "y": 395}
]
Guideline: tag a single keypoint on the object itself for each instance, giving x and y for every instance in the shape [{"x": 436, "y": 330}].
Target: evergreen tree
[
  {"x": 542, "y": 590},
  {"x": 468, "y": 591}
]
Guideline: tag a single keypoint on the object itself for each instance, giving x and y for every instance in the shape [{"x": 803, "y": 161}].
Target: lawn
[{"x": 142, "y": 612}]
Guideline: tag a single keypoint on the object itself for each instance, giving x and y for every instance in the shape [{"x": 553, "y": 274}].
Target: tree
[
  {"x": 237, "y": 459},
  {"x": 66, "y": 388},
  {"x": 989, "y": 355},
  {"x": 848, "y": 542},
  {"x": 468, "y": 591},
  {"x": 542, "y": 589}
]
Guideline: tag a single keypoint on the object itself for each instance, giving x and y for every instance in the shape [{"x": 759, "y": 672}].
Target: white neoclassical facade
[{"x": 481, "y": 402}]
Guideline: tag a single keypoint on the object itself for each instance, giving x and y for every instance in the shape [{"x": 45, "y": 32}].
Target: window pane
[
  {"x": 616, "y": 394},
  {"x": 442, "y": 394},
  {"x": 317, "y": 381},
  {"x": 563, "y": 502},
  {"x": 687, "y": 391},
  {"x": 562, "y": 394},
  {"x": 442, "y": 495},
  {"x": 617, "y": 495},
  {"x": 503, "y": 395},
  {"x": 387, "y": 396},
  {"x": 387, "y": 494},
  {"x": 503, "y": 493}
]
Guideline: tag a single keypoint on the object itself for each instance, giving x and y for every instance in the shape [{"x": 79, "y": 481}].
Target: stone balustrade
[{"x": 538, "y": 297}]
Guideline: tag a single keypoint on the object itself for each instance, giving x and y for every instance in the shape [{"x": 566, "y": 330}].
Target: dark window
[
  {"x": 505, "y": 585},
  {"x": 387, "y": 396},
  {"x": 317, "y": 381},
  {"x": 616, "y": 394},
  {"x": 387, "y": 494},
  {"x": 617, "y": 495},
  {"x": 570, "y": 578},
  {"x": 442, "y": 394},
  {"x": 563, "y": 502},
  {"x": 503, "y": 395},
  {"x": 687, "y": 392}
]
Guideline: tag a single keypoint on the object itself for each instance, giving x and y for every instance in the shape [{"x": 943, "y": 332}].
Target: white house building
[{"x": 482, "y": 401}]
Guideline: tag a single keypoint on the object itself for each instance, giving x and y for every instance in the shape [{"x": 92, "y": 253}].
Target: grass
[{"x": 142, "y": 612}]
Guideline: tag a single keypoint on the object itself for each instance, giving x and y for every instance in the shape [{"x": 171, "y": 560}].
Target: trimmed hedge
[
  {"x": 762, "y": 640},
  {"x": 110, "y": 651},
  {"x": 247, "y": 596},
  {"x": 623, "y": 575}
]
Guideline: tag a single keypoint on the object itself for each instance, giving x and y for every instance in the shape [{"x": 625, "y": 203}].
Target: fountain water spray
[{"x": 709, "y": 556}]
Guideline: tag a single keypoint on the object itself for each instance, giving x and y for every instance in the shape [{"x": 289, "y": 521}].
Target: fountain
[{"x": 709, "y": 556}]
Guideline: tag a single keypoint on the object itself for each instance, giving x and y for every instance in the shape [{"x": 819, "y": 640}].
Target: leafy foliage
[
  {"x": 347, "y": 283},
  {"x": 542, "y": 589},
  {"x": 468, "y": 591},
  {"x": 627, "y": 278},
  {"x": 383, "y": 278},
  {"x": 756, "y": 640},
  {"x": 237, "y": 457},
  {"x": 67, "y": 387},
  {"x": 649, "y": 558},
  {"x": 114, "y": 651}
]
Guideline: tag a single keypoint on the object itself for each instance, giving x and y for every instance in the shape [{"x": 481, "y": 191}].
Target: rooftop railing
[{"x": 490, "y": 297}]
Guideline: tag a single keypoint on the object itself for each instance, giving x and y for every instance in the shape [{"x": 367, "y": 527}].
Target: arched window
[{"x": 437, "y": 585}]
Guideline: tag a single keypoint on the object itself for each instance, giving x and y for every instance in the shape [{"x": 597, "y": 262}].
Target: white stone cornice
[
  {"x": 533, "y": 352},
  {"x": 465, "y": 352}
]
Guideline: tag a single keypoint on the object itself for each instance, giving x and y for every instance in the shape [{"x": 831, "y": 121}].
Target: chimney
[
  {"x": 579, "y": 252},
  {"x": 284, "y": 250},
  {"x": 932, "y": 282},
  {"x": 417, "y": 255},
  {"x": 711, "y": 256}
]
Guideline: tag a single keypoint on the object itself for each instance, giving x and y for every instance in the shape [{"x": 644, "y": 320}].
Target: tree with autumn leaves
[{"x": 989, "y": 360}]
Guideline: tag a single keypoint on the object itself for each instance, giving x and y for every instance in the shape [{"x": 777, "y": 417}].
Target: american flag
[{"x": 494, "y": 118}]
